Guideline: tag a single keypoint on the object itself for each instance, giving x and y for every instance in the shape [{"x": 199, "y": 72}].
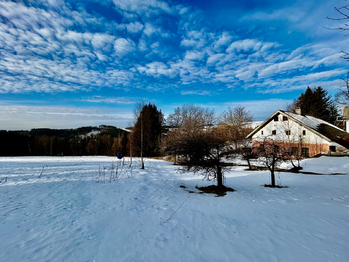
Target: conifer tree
[
  {"x": 147, "y": 132},
  {"x": 316, "y": 102}
]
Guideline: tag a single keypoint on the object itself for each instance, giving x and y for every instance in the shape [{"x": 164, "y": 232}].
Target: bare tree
[
  {"x": 247, "y": 153},
  {"x": 342, "y": 96},
  {"x": 237, "y": 124},
  {"x": 344, "y": 16},
  {"x": 174, "y": 121},
  {"x": 201, "y": 146},
  {"x": 273, "y": 155}
]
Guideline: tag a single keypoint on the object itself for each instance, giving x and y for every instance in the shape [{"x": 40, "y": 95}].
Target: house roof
[{"x": 318, "y": 126}]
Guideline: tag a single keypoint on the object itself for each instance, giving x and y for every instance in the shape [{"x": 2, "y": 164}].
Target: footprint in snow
[{"x": 92, "y": 238}]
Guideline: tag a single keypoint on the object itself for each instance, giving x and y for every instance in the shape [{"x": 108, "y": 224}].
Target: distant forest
[{"x": 102, "y": 140}]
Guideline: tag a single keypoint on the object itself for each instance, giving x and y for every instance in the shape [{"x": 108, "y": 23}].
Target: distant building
[{"x": 303, "y": 134}]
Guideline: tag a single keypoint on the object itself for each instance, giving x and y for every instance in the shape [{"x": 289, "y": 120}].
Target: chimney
[
  {"x": 346, "y": 113},
  {"x": 298, "y": 111}
]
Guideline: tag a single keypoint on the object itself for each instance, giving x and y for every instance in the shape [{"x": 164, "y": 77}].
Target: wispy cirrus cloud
[
  {"x": 111, "y": 100},
  {"x": 154, "y": 48},
  {"x": 47, "y": 44},
  {"x": 29, "y": 117},
  {"x": 197, "y": 92}
]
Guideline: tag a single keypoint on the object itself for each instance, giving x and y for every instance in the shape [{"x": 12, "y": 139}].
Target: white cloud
[
  {"x": 261, "y": 109},
  {"x": 244, "y": 45},
  {"x": 195, "y": 39},
  {"x": 123, "y": 46},
  {"x": 222, "y": 41},
  {"x": 214, "y": 58},
  {"x": 313, "y": 77},
  {"x": 194, "y": 55},
  {"x": 294, "y": 15},
  {"x": 145, "y": 8},
  {"x": 56, "y": 49},
  {"x": 197, "y": 92},
  {"x": 111, "y": 100},
  {"x": 150, "y": 29},
  {"x": 134, "y": 27},
  {"x": 157, "y": 69},
  {"x": 28, "y": 117},
  {"x": 103, "y": 42}
]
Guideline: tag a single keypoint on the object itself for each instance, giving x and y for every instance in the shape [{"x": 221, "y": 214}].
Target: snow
[
  {"x": 144, "y": 215},
  {"x": 92, "y": 133},
  {"x": 311, "y": 121}
]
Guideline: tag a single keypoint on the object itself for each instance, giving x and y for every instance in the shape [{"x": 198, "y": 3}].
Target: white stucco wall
[{"x": 296, "y": 132}]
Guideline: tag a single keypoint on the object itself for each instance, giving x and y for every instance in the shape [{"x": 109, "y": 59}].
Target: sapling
[
  {"x": 116, "y": 171},
  {"x": 41, "y": 171},
  {"x": 104, "y": 175},
  {"x": 112, "y": 172}
]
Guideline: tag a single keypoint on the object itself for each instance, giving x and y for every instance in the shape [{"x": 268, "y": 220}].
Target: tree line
[{"x": 64, "y": 142}]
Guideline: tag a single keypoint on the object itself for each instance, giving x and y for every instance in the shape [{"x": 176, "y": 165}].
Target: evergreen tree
[
  {"x": 147, "y": 132},
  {"x": 124, "y": 142},
  {"x": 316, "y": 102}
]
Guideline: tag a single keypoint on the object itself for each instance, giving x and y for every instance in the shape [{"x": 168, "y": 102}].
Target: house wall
[
  {"x": 340, "y": 150},
  {"x": 314, "y": 149},
  {"x": 293, "y": 138}
]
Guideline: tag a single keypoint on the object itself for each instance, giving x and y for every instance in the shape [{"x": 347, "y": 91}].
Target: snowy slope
[{"x": 66, "y": 215}]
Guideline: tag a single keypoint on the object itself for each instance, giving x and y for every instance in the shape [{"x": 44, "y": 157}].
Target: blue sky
[{"x": 66, "y": 64}]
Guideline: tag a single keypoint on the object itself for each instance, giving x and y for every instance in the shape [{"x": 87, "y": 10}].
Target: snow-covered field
[{"x": 67, "y": 215}]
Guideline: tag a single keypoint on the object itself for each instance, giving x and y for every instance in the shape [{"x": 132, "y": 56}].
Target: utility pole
[
  {"x": 142, "y": 140},
  {"x": 131, "y": 138}
]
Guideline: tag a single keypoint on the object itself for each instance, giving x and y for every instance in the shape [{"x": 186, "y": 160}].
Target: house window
[
  {"x": 288, "y": 132},
  {"x": 262, "y": 132},
  {"x": 333, "y": 148},
  {"x": 305, "y": 151},
  {"x": 276, "y": 149},
  {"x": 294, "y": 151},
  {"x": 261, "y": 147},
  {"x": 284, "y": 118},
  {"x": 276, "y": 118},
  {"x": 273, "y": 132},
  {"x": 304, "y": 132}
]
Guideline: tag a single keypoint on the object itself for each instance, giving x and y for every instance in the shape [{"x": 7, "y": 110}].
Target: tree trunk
[
  {"x": 272, "y": 178},
  {"x": 219, "y": 177},
  {"x": 272, "y": 173},
  {"x": 249, "y": 164}
]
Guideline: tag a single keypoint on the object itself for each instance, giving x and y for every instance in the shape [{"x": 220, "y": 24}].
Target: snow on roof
[
  {"x": 310, "y": 121},
  {"x": 322, "y": 127},
  {"x": 319, "y": 126}
]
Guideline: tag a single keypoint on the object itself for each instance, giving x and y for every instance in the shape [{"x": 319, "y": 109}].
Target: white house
[{"x": 302, "y": 134}]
